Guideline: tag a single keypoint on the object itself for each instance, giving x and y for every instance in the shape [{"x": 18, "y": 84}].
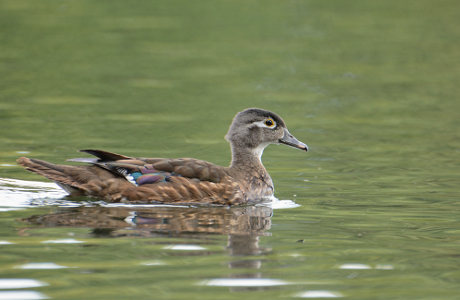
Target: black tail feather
[{"x": 105, "y": 155}]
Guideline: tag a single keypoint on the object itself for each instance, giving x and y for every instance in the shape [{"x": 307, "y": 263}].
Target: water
[{"x": 371, "y": 212}]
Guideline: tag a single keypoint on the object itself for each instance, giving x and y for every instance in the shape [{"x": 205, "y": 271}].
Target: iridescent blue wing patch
[{"x": 147, "y": 175}]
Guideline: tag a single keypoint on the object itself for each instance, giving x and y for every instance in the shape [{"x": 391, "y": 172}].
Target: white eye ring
[{"x": 263, "y": 124}]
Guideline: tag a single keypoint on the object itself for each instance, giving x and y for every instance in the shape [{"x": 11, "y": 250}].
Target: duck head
[{"x": 254, "y": 129}]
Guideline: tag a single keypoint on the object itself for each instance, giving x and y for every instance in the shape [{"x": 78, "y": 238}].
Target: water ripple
[
  {"x": 319, "y": 294},
  {"x": 20, "y": 283},
  {"x": 41, "y": 266},
  {"x": 244, "y": 282},
  {"x": 22, "y": 295}
]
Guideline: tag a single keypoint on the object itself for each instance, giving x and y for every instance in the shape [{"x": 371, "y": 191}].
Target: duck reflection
[
  {"x": 242, "y": 225},
  {"x": 158, "y": 220}
]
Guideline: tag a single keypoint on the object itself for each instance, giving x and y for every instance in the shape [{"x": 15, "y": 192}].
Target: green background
[{"x": 371, "y": 86}]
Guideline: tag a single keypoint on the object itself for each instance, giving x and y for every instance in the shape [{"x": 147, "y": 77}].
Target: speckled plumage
[{"x": 118, "y": 178}]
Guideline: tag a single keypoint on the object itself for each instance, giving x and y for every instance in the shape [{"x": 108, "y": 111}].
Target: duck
[{"x": 113, "y": 177}]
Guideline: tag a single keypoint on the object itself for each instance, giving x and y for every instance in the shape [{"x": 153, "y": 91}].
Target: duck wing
[
  {"x": 164, "y": 179},
  {"x": 187, "y": 167}
]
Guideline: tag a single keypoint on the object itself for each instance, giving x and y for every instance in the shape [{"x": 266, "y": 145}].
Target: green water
[{"x": 371, "y": 86}]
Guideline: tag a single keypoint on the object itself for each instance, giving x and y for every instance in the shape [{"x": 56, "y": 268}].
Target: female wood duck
[{"x": 118, "y": 178}]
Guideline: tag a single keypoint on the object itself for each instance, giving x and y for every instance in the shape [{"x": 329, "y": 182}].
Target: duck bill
[{"x": 290, "y": 140}]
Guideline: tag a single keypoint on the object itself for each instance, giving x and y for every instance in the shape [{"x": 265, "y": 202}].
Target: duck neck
[
  {"x": 248, "y": 158},
  {"x": 247, "y": 168}
]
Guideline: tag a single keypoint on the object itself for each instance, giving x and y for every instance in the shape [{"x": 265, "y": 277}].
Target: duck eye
[{"x": 269, "y": 123}]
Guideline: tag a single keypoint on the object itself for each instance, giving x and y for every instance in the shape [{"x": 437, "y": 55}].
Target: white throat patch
[{"x": 259, "y": 150}]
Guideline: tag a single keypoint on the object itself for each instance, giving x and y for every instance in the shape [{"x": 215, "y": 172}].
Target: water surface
[{"x": 370, "y": 86}]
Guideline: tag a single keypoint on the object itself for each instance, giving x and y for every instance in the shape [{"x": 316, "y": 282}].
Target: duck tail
[{"x": 65, "y": 176}]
